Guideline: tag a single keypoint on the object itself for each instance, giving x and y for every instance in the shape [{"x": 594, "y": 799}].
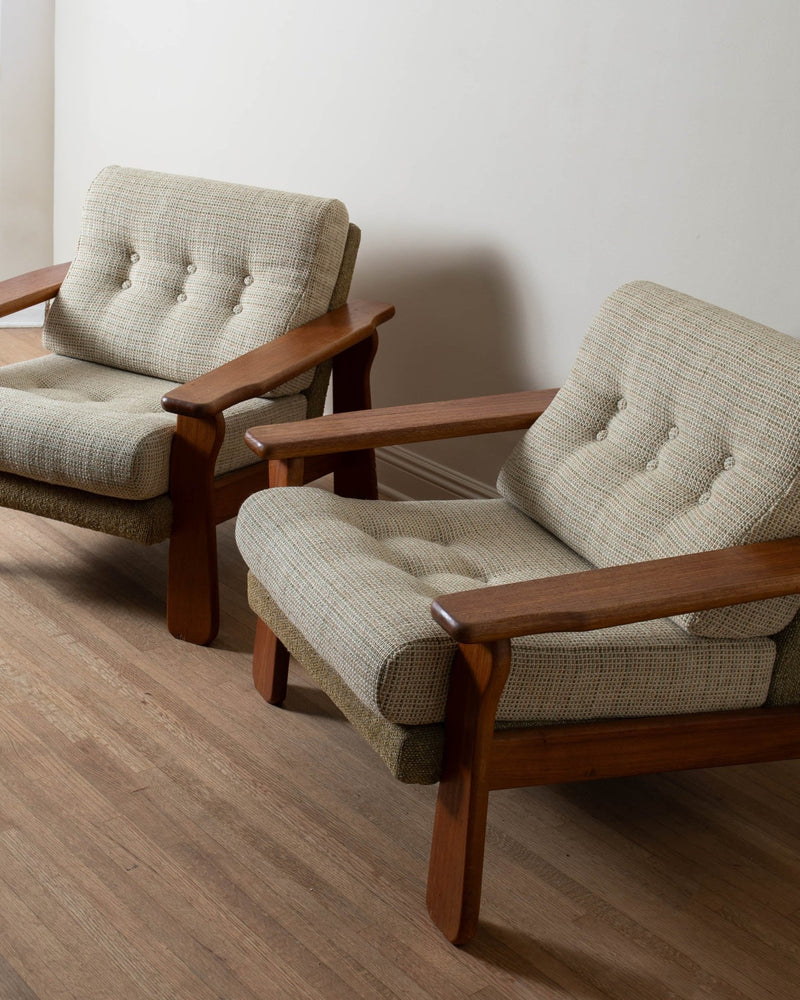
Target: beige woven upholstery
[
  {"x": 677, "y": 431},
  {"x": 79, "y": 424},
  {"x": 176, "y": 275},
  {"x": 357, "y": 578}
]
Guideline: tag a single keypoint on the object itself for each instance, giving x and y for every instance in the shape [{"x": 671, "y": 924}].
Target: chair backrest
[
  {"x": 176, "y": 275},
  {"x": 678, "y": 430}
]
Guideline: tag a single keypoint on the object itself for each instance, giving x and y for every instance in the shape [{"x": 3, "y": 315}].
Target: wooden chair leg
[
  {"x": 459, "y": 831},
  {"x": 270, "y": 664},
  {"x": 355, "y": 474},
  {"x": 193, "y": 585}
]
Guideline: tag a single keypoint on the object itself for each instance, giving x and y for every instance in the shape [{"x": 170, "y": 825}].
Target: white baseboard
[
  {"x": 33, "y": 316},
  {"x": 405, "y": 475}
]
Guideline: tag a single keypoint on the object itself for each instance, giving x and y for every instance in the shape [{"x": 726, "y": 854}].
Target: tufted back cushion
[
  {"x": 678, "y": 430},
  {"x": 176, "y": 275}
]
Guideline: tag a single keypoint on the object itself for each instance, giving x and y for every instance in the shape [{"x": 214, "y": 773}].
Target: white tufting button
[
  {"x": 248, "y": 279},
  {"x": 729, "y": 462},
  {"x": 652, "y": 464},
  {"x": 601, "y": 435},
  {"x": 673, "y": 433},
  {"x": 704, "y": 497},
  {"x": 237, "y": 308},
  {"x": 622, "y": 404},
  {"x": 191, "y": 268},
  {"x": 126, "y": 284},
  {"x": 181, "y": 297},
  {"x": 134, "y": 258}
]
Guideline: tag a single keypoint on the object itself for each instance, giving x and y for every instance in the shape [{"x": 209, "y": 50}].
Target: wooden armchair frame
[
  {"x": 200, "y": 501},
  {"x": 478, "y": 758}
]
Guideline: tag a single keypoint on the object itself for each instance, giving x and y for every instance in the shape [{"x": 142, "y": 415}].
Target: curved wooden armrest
[
  {"x": 30, "y": 289},
  {"x": 274, "y": 363},
  {"x": 579, "y": 602},
  {"x": 378, "y": 428}
]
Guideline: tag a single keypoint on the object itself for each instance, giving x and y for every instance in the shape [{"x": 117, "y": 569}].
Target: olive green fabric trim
[
  {"x": 412, "y": 753},
  {"x": 317, "y": 391},
  {"x": 785, "y": 686},
  {"x": 144, "y": 521},
  {"x": 342, "y": 287}
]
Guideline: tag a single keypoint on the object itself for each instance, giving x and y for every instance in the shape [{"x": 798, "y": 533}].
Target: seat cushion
[
  {"x": 174, "y": 276},
  {"x": 102, "y": 430},
  {"x": 677, "y": 431},
  {"x": 357, "y": 578}
]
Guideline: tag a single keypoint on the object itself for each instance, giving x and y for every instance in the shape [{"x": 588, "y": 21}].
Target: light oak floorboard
[{"x": 164, "y": 833}]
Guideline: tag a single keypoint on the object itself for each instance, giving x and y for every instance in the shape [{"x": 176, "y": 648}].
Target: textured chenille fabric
[
  {"x": 677, "y": 431},
  {"x": 174, "y": 276},
  {"x": 74, "y": 423},
  {"x": 356, "y": 578}
]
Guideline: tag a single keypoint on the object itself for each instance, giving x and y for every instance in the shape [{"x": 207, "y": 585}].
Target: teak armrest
[
  {"x": 598, "y": 598},
  {"x": 378, "y": 428},
  {"x": 266, "y": 367},
  {"x": 30, "y": 289}
]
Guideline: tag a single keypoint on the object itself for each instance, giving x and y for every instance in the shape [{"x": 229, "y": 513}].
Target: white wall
[
  {"x": 26, "y": 136},
  {"x": 510, "y": 163}
]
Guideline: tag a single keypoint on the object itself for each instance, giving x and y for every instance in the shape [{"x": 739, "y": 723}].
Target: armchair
[
  {"x": 192, "y": 309},
  {"x": 628, "y": 605}
]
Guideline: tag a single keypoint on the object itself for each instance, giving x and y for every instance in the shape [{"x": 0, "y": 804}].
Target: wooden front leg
[
  {"x": 193, "y": 585},
  {"x": 270, "y": 665},
  {"x": 459, "y": 831}
]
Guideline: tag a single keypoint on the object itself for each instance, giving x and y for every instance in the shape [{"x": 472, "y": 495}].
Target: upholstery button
[
  {"x": 673, "y": 433},
  {"x": 191, "y": 268},
  {"x": 237, "y": 308},
  {"x": 652, "y": 464},
  {"x": 134, "y": 258},
  {"x": 182, "y": 297},
  {"x": 729, "y": 462},
  {"x": 126, "y": 284},
  {"x": 601, "y": 435},
  {"x": 248, "y": 279},
  {"x": 704, "y": 497},
  {"x": 622, "y": 404}
]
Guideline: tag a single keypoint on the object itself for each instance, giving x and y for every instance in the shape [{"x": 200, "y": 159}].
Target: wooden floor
[{"x": 166, "y": 834}]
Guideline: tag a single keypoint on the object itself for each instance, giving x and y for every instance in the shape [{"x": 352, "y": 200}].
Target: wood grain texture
[
  {"x": 266, "y": 367},
  {"x": 554, "y": 754},
  {"x": 455, "y": 871},
  {"x": 599, "y": 598},
  {"x": 30, "y": 289},
  {"x": 389, "y": 425},
  {"x": 164, "y": 833}
]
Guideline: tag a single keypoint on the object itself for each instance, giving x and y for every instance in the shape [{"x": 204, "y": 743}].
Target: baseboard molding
[
  {"x": 405, "y": 475},
  {"x": 32, "y": 316}
]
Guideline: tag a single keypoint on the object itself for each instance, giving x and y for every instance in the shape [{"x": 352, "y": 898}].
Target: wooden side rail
[
  {"x": 379, "y": 428},
  {"x": 598, "y": 598},
  {"x": 30, "y": 289},
  {"x": 274, "y": 363}
]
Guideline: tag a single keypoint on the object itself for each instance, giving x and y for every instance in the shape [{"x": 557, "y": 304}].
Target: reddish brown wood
[
  {"x": 391, "y": 425},
  {"x": 355, "y": 474},
  {"x": 553, "y": 754},
  {"x": 459, "y": 831},
  {"x": 286, "y": 472},
  {"x": 30, "y": 289},
  {"x": 637, "y": 592},
  {"x": 231, "y": 490},
  {"x": 270, "y": 664},
  {"x": 258, "y": 371},
  {"x": 192, "y": 588}
]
